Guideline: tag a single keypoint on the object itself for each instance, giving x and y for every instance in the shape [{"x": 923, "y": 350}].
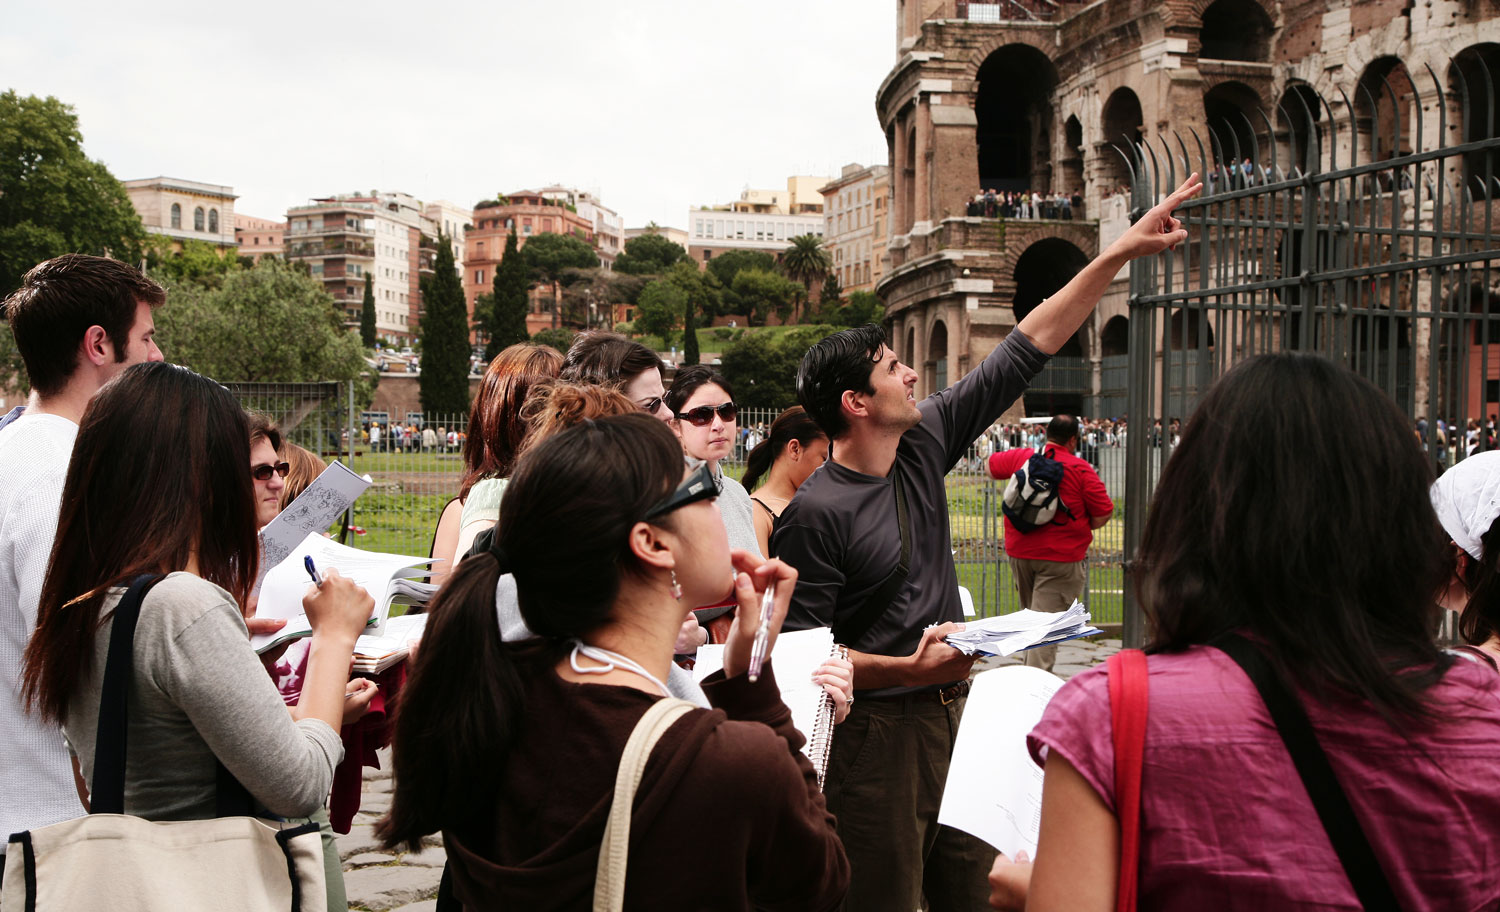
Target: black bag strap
[
  {"x": 107, "y": 794},
  {"x": 857, "y": 626},
  {"x": 1328, "y": 798}
]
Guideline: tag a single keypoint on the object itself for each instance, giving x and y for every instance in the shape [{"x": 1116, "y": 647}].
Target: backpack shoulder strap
[
  {"x": 1328, "y": 797},
  {"x": 614, "y": 850},
  {"x": 857, "y": 626},
  {"x": 107, "y": 791}
]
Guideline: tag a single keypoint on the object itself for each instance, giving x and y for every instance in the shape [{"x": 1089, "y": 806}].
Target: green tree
[
  {"x": 510, "y": 300},
  {"x": 649, "y": 254},
  {"x": 266, "y": 324},
  {"x": 560, "y": 339},
  {"x": 658, "y": 309},
  {"x": 763, "y": 293},
  {"x": 832, "y": 294},
  {"x": 53, "y": 199},
  {"x": 731, "y": 263},
  {"x": 444, "y": 382},
  {"x": 762, "y": 368},
  {"x": 863, "y": 307},
  {"x": 367, "y": 313},
  {"x": 806, "y": 261},
  {"x": 198, "y": 262},
  {"x": 689, "y": 332},
  {"x": 549, "y": 255}
]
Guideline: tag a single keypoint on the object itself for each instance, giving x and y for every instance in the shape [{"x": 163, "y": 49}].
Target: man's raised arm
[{"x": 1054, "y": 321}]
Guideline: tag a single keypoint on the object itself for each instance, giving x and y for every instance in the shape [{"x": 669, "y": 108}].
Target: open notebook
[
  {"x": 794, "y": 658},
  {"x": 382, "y": 575}
]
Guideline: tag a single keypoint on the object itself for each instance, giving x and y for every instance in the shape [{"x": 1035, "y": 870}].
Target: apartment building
[
  {"x": 183, "y": 210},
  {"x": 609, "y": 228},
  {"x": 453, "y": 221},
  {"x": 345, "y": 237},
  {"x": 759, "y": 220},
  {"x": 257, "y": 237},
  {"x": 855, "y": 225}
]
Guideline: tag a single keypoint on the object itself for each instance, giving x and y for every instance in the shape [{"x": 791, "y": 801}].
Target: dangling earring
[{"x": 676, "y": 589}]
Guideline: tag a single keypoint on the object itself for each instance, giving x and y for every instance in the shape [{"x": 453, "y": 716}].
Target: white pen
[{"x": 762, "y": 633}]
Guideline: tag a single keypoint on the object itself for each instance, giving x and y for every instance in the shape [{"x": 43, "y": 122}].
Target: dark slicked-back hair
[
  {"x": 841, "y": 362},
  {"x": 1277, "y": 516},
  {"x": 60, "y": 298},
  {"x": 1062, "y": 428},
  {"x": 606, "y": 358}
]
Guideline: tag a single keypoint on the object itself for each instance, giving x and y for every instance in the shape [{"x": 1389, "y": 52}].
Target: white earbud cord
[{"x": 612, "y": 661}]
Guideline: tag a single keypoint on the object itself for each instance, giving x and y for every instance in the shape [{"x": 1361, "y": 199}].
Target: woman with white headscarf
[{"x": 1467, "y": 501}]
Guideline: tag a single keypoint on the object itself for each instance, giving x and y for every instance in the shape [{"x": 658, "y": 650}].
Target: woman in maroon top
[
  {"x": 1295, "y": 512},
  {"x": 511, "y": 750}
]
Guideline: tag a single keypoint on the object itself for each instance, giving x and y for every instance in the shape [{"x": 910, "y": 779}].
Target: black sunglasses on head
[
  {"x": 698, "y": 485},
  {"x": 703, "y": 415},
  {"x": 264, "y": 471}
]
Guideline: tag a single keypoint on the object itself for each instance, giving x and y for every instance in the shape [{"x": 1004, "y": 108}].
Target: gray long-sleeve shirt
[
  {"x": 840, "y": 530},
  {"x": 200, "y": 692}
]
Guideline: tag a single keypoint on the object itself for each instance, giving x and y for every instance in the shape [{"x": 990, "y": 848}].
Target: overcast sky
[{"x": 656, "y": 105}]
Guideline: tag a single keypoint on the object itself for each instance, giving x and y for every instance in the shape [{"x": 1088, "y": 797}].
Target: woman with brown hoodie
[{"x": 511, "y": 750}]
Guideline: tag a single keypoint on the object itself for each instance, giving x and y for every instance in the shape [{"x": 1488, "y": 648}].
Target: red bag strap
[{"x": 1127, "y": 709}]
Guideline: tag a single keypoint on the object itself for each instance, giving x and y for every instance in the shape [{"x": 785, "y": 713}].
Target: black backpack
[{"x": 1031, "y": 499}]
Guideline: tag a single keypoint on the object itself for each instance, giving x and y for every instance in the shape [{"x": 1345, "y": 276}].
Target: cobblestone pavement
[{"x": 378, "y": 881}]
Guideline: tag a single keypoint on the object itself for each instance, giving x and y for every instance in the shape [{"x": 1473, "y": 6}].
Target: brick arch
[
  {"x": 1190, "y": 14},
  {"x": 1032, "y": 40},
  {"x": 1020, "y": 237}
]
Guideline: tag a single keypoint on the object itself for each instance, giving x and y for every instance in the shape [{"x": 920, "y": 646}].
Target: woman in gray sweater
[{"x": 158, "y": 484}]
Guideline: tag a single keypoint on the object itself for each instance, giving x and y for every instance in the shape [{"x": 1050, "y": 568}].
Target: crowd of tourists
[
  {"x": 1025, "y": 204},
  {"x": 549, "y": 729}
]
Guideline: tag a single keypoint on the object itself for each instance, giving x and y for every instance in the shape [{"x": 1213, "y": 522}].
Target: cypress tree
[
  {"x": 367, "y": 314},
  {"x": 445, "y": 338},
  {"x": 511, "y": 287},
  {"x": 689, "y": 333}
]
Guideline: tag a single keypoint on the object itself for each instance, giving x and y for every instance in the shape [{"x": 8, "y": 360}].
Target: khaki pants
[
  {"x": 886, "y": 772},
  {"x": 1049, "y": 586}
]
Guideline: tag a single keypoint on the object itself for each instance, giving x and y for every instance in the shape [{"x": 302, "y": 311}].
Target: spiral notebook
[{"x": 794, "y": 658}]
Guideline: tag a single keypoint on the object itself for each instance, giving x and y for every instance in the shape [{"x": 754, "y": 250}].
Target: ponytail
[
  {"x": 758, "y": 463},
  {"x": 457, "y": 714}
]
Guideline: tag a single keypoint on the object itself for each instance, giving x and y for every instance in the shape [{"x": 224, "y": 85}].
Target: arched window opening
[
  {"x": 1229, "y": 109},
  {"x": 937, "y": 355},
  {"x": 1071, "y": 159},
  {"x": 1385, "y": 107},
  {"x": 910, "y": 174},
  {"x": 198, "y": 219},
  {"x": 1190, "y": 329},
  {"x": 1299, "y": 117},
  {"x": 1122, "y": 121},
  {"x": 1115, "y": 339},
  {"x": 176, "y": 215},
  {"x": 909, "y": 353},
  {"x": 1040, "y": 271},
  {"x": 213, "y": 221},
  {"x": 1474, "y": 87},
  {"x": 1235, "y": 30},
  {"x": 1014, "y": 111}
]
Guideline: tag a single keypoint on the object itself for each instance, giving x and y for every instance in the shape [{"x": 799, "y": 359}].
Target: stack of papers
[
  {"x": 374, "y": 654},
  {"x": 1011, "y": 633},
  {"x": 412, "y": 592}
]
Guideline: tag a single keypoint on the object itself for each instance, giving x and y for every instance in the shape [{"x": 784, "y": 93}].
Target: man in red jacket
[{"x": 1048, "y": 563}]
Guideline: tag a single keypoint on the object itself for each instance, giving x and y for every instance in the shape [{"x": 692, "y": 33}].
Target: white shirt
[{"x": 38, "y": 775}]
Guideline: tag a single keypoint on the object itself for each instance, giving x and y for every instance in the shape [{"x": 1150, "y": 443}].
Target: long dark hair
[
  {"x": 792, "y": 424},
  {"x": 1480, "y": 619},
  {"x": 607, "y": 358},
  {"x": 160, "y": 474},
  {"x": 564, "y": 534},
  {"x": 1296, "y": 509},
  {"x": 496, "y": 431}
]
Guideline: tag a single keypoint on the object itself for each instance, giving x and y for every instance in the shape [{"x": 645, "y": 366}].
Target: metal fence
[
  {"x": 415, "y": 474},
  {"x": 1350, "y": 227}
]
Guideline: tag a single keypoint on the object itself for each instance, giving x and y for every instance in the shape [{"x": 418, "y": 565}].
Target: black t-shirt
[{"x": 840, "y": 530}]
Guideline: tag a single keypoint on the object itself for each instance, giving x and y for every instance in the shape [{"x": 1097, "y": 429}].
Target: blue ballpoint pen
[{"x": 312, "y": 570}]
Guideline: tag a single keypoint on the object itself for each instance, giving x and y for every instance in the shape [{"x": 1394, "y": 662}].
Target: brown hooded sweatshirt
[{"x": 728, "y": 815}]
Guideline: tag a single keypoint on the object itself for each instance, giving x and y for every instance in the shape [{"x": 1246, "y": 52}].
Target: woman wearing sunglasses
[
  {"x": 512, "y": 750},
  {"x": 266, "y": 467},
  {"x": 610, "y": 359},
  {"x": 704, "y": 418}
]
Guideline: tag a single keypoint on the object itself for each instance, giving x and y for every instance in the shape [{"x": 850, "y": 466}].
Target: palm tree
[{"x": 805, "y": 261}]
